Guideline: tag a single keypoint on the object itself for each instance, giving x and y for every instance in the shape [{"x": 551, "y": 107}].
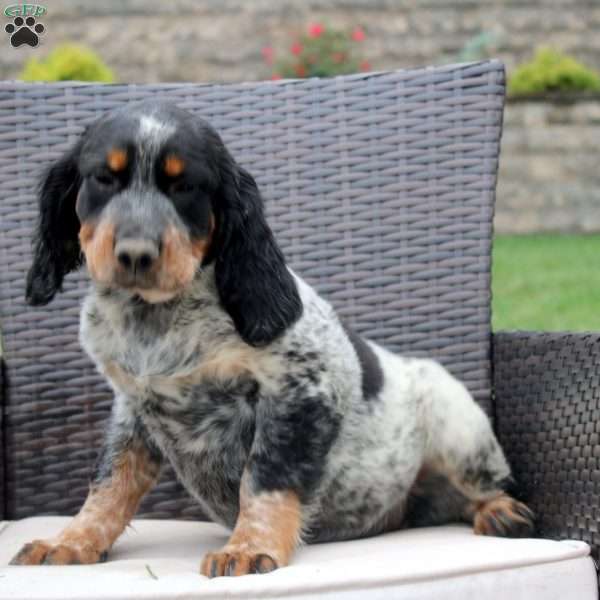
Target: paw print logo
[{"x": 24, "y": 31}]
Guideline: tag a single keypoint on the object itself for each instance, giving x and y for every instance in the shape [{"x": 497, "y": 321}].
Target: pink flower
[
  {"x": 365, "y": 65},
  {"x": 315, "y": 30},
  {"x": 296, "y": 48},
  {"x": 358, "y": 35},
  {"x": 275, "y": 76},
  {"x": 268, "y": 53}
]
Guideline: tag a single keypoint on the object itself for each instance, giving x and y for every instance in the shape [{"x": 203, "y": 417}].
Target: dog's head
[{"x": 147, "y": 196}]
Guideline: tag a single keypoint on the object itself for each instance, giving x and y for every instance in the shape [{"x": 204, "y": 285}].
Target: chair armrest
[{"x": 547, "y": 417}]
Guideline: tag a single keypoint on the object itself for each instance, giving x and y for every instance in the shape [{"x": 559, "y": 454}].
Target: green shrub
[
  {"x": 320, "y": 52},
  {"x": 552, "y": 71},
  {"x": 68, "y": 62}
]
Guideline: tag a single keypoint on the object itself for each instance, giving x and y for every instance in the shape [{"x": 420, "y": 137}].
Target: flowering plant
[{"x": 320, "y": 52}]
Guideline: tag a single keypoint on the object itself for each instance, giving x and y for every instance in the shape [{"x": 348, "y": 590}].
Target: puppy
[{"x": 280, "y": 421}]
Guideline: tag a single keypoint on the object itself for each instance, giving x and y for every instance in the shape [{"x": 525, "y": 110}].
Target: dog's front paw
[
  {"x": 44, "y": 552},
  {"x": 231, "y": 563}
]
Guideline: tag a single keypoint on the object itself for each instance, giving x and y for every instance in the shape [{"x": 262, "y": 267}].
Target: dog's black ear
[
  {"x": 56, "y": 249},
  {"x": 254, "y": 284}
]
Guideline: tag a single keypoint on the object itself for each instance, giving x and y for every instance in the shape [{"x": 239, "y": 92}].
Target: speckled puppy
[{"x": 281, "y": 422}]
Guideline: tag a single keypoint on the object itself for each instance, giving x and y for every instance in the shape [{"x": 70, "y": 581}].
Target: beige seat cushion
[{"x": 160, "y": 560}]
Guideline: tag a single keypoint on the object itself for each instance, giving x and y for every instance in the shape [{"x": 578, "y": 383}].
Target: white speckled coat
[{"x": 172, "y": 366}]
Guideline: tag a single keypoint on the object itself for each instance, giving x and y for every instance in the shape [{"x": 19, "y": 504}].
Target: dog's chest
[
  {"x": 163, "y": 351},
  {"x": 195, "y": 389},
  {"x": 205, "y": 428},
  {"x": 206, "y": 434}
]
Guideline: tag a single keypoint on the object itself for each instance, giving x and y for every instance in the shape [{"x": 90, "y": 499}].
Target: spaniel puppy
[{"x": 281, "y": 422}]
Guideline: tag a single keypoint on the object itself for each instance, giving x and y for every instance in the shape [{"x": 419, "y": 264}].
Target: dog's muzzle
[
  {"x": 140, "y": 222},
  {"x": 137, "y": 256}
]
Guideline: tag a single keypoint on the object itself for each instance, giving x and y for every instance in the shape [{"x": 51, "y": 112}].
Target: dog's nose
[{"x": 136, "y": 255}]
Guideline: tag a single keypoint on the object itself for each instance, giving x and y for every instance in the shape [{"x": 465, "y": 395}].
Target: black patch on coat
[
  {"x": 372, "y": 375},
  {"x": 291, "y": 445},
  {"x": 434, "y": 500}
]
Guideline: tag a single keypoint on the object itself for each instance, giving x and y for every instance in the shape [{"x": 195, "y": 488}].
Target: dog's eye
[{"x": 104, "y": 179}]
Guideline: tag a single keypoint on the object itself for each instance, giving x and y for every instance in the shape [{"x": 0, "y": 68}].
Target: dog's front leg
[
  {"x": 265, "y": 535},
  {"x": 281, "y": 478},
  {"x": 127, "y": 470}
]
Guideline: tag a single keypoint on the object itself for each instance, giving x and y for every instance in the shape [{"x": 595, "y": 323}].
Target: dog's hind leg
[
  {"x": 438, "y": 497},
  {"x": 465, "y": 474}
]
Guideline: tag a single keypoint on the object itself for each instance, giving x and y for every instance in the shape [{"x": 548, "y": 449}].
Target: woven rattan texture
[
  {"x": 547, "y": 402},
  {"x": 380, "y": 189}
]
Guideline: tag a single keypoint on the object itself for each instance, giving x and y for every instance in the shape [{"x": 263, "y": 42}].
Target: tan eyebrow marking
[
  {"x": 116, "y": 159},
  {"x": 174, "y": 165}
]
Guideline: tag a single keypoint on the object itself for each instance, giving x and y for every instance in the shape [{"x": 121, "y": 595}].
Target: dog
[{"x": 284, "y": 424}]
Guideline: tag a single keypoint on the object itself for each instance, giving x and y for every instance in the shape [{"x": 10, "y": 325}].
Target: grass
[
  {"x": 151, "y": 572},
  {"x": 546, "y": 282}
]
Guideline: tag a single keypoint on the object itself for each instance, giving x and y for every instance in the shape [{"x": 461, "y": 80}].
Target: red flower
[
  {"x": 315, "y": 30},
  {"x": 300, "y": 71},
  {"x": 296, "y": 48},
  {"x": 365, "y": 65},
  {"x": 275, "y": 76},
  {"x": 358, "y": 35},
  {"x": 268, "y": 54},
  {"x": 338, "y": 57}
]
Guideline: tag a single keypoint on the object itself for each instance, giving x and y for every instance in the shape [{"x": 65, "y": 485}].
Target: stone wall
[
  {"x": 550, "y": 168},
  {"x": 550, "y": 159},
  {"x": 221, "y": 40}
]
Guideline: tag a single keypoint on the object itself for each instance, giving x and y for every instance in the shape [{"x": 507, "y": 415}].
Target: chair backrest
[{"x": 380, "y": 188}]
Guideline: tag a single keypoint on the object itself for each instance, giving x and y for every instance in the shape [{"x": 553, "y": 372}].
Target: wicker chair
[{"x": 380, "y": 188}]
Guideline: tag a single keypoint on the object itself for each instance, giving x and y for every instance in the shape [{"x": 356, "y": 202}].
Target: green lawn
[{"x": 546, "y": 282}]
